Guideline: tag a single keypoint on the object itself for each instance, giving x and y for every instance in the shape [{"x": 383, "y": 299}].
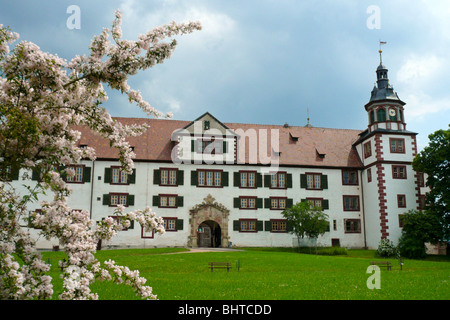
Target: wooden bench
[
  {"x": 382, "y": 264},
  {"x": 223, "y": 265}
]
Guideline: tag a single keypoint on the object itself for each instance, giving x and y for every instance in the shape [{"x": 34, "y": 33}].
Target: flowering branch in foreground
[{"x": 42, "y": 99}]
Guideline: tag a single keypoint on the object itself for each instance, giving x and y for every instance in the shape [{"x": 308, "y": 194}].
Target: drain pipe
[{"x": 363, "y": 209}]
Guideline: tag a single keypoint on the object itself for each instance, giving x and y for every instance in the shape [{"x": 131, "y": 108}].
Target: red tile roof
[{"x": 335, "y": 145}]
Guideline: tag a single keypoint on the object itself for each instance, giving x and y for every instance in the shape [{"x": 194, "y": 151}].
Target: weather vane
[{"x": 380, "y": 51}]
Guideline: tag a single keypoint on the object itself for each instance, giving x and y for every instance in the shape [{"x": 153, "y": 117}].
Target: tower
[{"x": 386, "y": 149}]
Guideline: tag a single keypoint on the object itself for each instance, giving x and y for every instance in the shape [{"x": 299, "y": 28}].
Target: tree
[
  {"x": 419, "y": 227},
  {"x": 434, "y": 160},
  {"x": 305, "y": 220},
  {"x": 43, "y": 98}
]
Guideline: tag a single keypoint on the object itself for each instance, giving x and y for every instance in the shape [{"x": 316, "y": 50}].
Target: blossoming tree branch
[{"x": 43, "y": 98}]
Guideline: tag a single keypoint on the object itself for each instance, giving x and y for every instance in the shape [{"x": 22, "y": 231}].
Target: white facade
[{"x": 231, "y": 198}]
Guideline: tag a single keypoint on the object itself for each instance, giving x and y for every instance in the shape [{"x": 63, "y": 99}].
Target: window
[
  {"x": 118, "y": 176},
  {"x": 367, "y": 149},
  {"x": 400, "y": 220},
  {"x": 350, "y": 177},
  {"x": 278, "y": 180},
  {"x": 352, "y": 225},
  {"x": 118, "y": 199},
  {"x": 313, "y": 181},
  {"x": 278, "y": 203},
  {"x": 114, "y": 199},
  {"x": 381, "y": 115},
  {"x": 209, "y": 145},
  {"x": 119, "y": 220},
  {"x": 247, "y": 225},
  {"x": 209, "y": 178},
  {"x": 115, "y": 175},
  {"x": 170, "y": 224},
  {"x": 168, "y": 177},
  {"x": 78, "y": 177},
  {"x": 397, "y": 145},
  {"x": 399, "y": 172},
  {"x": 278, "y": 226},
  {"x": 369, "y": 175},
  {"x": 315, "y": 202},
  {"x": 147, "y": 235},
  {"x": 401, "y": 200},
  {"x": 247, "y": 202},
  {"x": 167, "y": 201},
  {"x": 420, "y": 179},
  {"x": 422, "y": 201},
  {"x": 372, "y": 116},
  {"x": 247, "y": 179},
  {"x": 351, "y": 203}
]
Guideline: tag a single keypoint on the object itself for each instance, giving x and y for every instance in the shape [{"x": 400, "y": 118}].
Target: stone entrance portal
[{"x": 209, "y": 224}]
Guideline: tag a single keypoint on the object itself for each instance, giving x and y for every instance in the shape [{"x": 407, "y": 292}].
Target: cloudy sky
[{"x": 267, "y": 61}]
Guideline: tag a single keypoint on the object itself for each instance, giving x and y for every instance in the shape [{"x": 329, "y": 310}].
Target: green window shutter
[
  {"x": 259, "y": 180},
  {"x": 87, "y": 174},
  {"x": 303, "y": 183},
  {"x": 180, "y": 177},
  {"x": 303, "y": 200},
  {"x": 267, "y": 180},
  {"x": 35, "y": 175},
  {"x": 62, "y": 172},
  {"x": 132, "y": 177},
  {"x": 268, "y": 225},
  {"x": 131, "y": 225},
  {"x": 156, "y": 176},
  {"x": 180, "y": 201},
  {"x": 267, "y": 203},
  {"x": 236, "y": 179},
  {"x": 193, "y": 145},
  {"x": 106, "y": 199},
  {"x": 107, "y": 177},
  {"x": 130, "y": 200},
  {"x": 236, "y": 203},
  {"x": 225, "y": 179},
  {"x": 224, "y": 150},
  {"x": 259, "y": 225},
  {"x": 259, "y": 203},
  {"x": 194, "y": 178},
  {"x": 324, "y": 181},
  {"x": 155, "y": 201},
  {"x": 289, "y": 203},
  {"x": 179, "y": 224},
  {"x": 289, "y": 180},
  {"x": 325, "y": 204},
  {"x": 15, "y": 173},
  {"x": 236, "y": 225}
]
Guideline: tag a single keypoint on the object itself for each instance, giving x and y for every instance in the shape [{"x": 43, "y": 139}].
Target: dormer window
[
  {"x": 206, "y": 125},
  {"x": 209, "y": 146}
]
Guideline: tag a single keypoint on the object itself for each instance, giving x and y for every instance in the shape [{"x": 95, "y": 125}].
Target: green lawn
[{"x": 270, "y": 274}]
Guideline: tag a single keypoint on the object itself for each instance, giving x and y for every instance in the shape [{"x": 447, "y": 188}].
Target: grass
[{"x": 270, "y": 274}]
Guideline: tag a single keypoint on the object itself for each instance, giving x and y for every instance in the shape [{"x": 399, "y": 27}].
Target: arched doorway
[
  {"x": 209, "y": 234},
  {"x": 209, "y": 224}
]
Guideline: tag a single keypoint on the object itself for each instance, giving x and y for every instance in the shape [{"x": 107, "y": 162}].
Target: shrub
[
  {"x": 412, "y": 248},
  {"x": 387, "y": 249}
]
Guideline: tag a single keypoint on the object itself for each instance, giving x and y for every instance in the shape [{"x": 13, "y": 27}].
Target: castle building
[{"x": 226, "y": 184}]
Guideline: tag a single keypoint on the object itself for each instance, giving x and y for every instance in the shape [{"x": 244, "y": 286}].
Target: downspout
[
  {"x": 92, "y": 189},
  {"x": 363, "y": 209}
]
